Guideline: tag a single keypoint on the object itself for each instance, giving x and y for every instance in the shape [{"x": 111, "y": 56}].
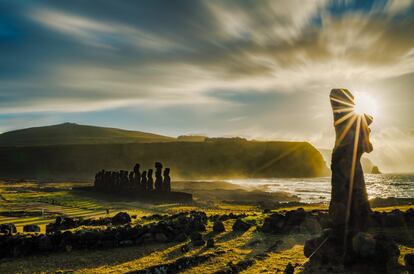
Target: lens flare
[{"x": 365, "y": 104}]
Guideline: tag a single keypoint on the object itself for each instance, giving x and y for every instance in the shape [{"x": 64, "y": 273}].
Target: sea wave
[{"x": 318, "y": 189}]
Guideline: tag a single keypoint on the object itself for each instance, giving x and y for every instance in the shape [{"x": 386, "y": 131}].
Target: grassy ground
[{"x": 271, "y": 253}]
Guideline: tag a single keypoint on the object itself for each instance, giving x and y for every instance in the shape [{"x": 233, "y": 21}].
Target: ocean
[{"x": 313, "y": 190}]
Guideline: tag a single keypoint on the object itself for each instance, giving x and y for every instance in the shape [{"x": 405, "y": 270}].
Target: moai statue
[
  {"x": 167, "y": 180},
  {"x": 158, "y": 176},
  {"x": 131, "y": 180},
  {"x": 349, "y": 207},
  {"x": 150, "y": 181},
  {"x": 113, "y": 179},
  {"x": 144, "y": 181},
  {"x": 118, "y": 181},
  {"x": 108, "y": 181},
  {"x": 96, "y": 183},
  {"x": 125, "y": 180},
  {"x": 137, "y": 176}
]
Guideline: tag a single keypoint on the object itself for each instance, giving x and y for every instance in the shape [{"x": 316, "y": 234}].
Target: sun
[{"x": 365, "y": 104}]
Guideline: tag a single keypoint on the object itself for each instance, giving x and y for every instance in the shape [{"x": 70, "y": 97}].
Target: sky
[{"x": 258, "y": 69}]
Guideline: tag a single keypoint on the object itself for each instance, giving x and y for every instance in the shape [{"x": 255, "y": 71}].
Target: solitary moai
[
  {"x": 167, "y": 180},
  {"x": 158, "y": 176},
  {"x": 349, "y": 208},
  {"x": 150, "y": 181}
]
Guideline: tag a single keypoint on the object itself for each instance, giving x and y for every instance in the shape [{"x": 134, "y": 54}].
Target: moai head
[
  {"x": 347, "y": 122},
  {"x": 144, "y": 174},
  {"x": 136, "y": 168},
  {"x": 158, "y": 166},
  {"x": 150, "y": 172},
  {"x": 167, "y": 171}
]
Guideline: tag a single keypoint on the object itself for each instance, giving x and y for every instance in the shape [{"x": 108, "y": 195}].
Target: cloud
[
  {"x": 397, "y": 6},
  {"x": 265, "y": 68},
  {"x": 101, "y": 34}
]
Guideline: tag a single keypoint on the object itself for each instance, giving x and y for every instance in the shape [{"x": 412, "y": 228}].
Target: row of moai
[{"x": 134, "y": 180}]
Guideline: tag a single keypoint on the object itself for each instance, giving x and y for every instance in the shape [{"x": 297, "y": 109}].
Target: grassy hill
[
  {"x": 235, "y": 158},
  {"x": 72, "y": 151},
  {"x": 74, "y": 134}
]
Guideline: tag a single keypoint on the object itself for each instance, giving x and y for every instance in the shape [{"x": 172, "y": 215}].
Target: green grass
[{"x": 236, "y": 246}]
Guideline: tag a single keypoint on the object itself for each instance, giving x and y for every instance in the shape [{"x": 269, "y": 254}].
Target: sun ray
[
  {"x": 343, "y": 118},
  {"x": 345, "y": 130},
  {"x": 342, "y": 109},
  {"x": 346, "y": 93},
  {"x": 274, "y": 160},
  {"x": 351, "y": 180},
  {"x": 338, "y": 100}
]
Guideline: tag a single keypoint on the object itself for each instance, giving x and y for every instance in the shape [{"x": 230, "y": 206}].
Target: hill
[
  {"x": 233, "y": 158},
  {"x": 74, "y": 134}
]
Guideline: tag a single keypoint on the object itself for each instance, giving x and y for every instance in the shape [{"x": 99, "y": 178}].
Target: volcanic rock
[{"x": 240, "y": 225}]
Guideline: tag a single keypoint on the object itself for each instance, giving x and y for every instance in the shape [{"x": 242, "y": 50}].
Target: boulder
[
  {"x": 386, "y": 250},
  {"x": 195, "y": 236},
  {"x": 240, "y": 225},
  {"x": 322, "y": 249},
  {"x": 210, "y": 243},
  {"x": 197, "y": 239},
  {"x": 363, "y": 245},
  {"x": 218, "y": 227},
  {"x": 310, "y": 225},
  {"x": 393, "y": 219},
  {"x": 45, "y": 244},
  {"x": 409, "y": 217},
  {"x": 409, "y": 261},
  {"x": 58, "y": 220},
  {"x": 160, "y": 237},
  {"x": 185, "y": 248},
  {"x": 31, "y": 228},
  {"x": 121, "y": 218},
  {"x": 290, "y": 269},
  {"x": 295, "y": 217},
  {"x": 8, "y": 228},
  {"x": 181, "y": 237},
  {"x": 273, "y": 224},
  {"x": 198, "y": 242}
]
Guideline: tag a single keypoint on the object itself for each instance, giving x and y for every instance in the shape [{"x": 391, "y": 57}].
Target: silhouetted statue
[
  {"x": 144, "y": 181},
  {"x": 150, "y": 181},
  {"x": 349, "y": 207},
  {"x": 158, "y": 176},
  {"x": 131, "y": 180},
  {"x": 166, "y": 185},
  {"x": 123, "y": 180},
  {"x": 137, "y": 176}
]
